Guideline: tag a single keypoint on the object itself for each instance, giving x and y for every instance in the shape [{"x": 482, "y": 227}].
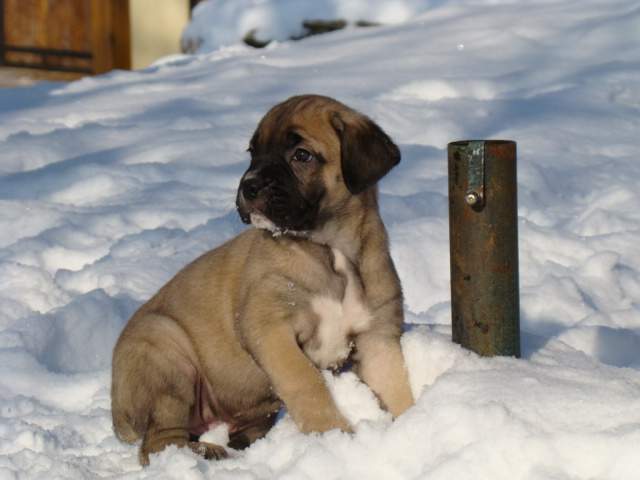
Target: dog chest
[{"x": 338, "y": 319}]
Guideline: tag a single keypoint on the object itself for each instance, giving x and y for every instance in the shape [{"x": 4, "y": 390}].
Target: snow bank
[
  {"x": 217, "y": 23},
  {"x": 111, "y": 184}
]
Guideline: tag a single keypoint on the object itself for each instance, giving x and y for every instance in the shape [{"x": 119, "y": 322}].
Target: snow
[
  {"x": 217, "y": 23},
  {"x": 109, "y": 185}
]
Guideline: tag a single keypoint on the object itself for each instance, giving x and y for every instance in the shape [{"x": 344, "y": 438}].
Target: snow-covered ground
[{"x": 110, "y": 184}]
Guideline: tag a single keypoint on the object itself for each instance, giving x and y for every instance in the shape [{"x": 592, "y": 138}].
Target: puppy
[{"x": 248, "y": 326}]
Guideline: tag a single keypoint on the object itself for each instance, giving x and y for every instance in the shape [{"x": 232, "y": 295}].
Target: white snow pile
[
  {"x": 109, "y": 185},
  {"x": 218, "y": 23}
]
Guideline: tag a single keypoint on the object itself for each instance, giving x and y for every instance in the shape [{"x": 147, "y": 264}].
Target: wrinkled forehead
[{"x": 305, "y": 117}]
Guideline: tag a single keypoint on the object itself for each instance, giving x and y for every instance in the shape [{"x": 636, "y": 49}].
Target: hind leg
[
  {"x": 154, "y": 383},
  {"x": 169, "y": 426},
  {"x": 254, "y": 424}
]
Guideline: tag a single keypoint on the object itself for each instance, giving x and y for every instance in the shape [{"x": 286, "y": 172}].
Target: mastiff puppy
[{"x": 248, "y": 326}]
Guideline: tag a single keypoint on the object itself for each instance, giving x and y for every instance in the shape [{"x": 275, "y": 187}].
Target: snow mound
[{"x": 218, "y": 23}]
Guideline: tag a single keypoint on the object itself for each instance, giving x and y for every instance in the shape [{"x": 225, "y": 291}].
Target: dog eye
[{"x": 301, "y": 155}]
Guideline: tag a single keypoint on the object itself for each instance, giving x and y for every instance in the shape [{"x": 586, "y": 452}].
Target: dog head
[{"x": 309, "y": 155}]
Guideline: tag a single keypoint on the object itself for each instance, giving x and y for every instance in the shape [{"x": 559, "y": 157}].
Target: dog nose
[{"x": 251, "y": 187}]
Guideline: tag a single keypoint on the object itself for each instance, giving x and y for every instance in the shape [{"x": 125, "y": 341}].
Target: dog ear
[{"x": 367, "y": 153}]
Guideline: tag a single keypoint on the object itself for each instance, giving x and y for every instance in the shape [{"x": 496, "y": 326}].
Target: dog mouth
[
  {"x": 258, "y": 220},
  {"x": 252, "y": 214},
  {"x": 278, "y": 206},
  {"x": 244, "y": 214}
]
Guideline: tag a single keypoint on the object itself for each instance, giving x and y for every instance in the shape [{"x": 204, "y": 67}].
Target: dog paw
[
  {"x": 321, "y": 424},
  {"x": 209, "y": 451}
]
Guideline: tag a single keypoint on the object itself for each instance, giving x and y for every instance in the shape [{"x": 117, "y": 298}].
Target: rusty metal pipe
[{"x": 483, "y": 233}]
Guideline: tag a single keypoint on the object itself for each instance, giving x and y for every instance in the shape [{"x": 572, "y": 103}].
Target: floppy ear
[{"x": 367, "y": 153}]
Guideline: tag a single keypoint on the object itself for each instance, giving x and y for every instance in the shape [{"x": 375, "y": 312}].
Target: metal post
[{"x": 483, "y": 232}]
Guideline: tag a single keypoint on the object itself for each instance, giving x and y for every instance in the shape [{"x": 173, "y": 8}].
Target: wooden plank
[
  {"x": 67, "y": 25},
  {"x": 110, "y": 35},
  {"x": 61, "y": 25},
  {"x": 101, "y": 44},
  {"x": 2, "y": 59},
  {"x": 23, "y": 26},
  {"x": 121, "y": 26},
  {"x": 77, "y": 35}
]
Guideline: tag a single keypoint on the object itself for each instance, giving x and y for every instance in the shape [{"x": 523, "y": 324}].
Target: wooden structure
[
  {"x": 89, "y": 36},
  {"x": 83, "y": 36}
]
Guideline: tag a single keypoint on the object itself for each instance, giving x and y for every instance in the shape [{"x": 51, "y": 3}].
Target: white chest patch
[{"x": 338, "y": 319}]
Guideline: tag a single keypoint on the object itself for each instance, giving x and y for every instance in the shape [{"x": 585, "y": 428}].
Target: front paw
[{"x": 323, "y": 422}]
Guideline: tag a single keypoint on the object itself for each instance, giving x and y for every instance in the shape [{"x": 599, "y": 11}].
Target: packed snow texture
[{"x": 109, "y": 185}]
